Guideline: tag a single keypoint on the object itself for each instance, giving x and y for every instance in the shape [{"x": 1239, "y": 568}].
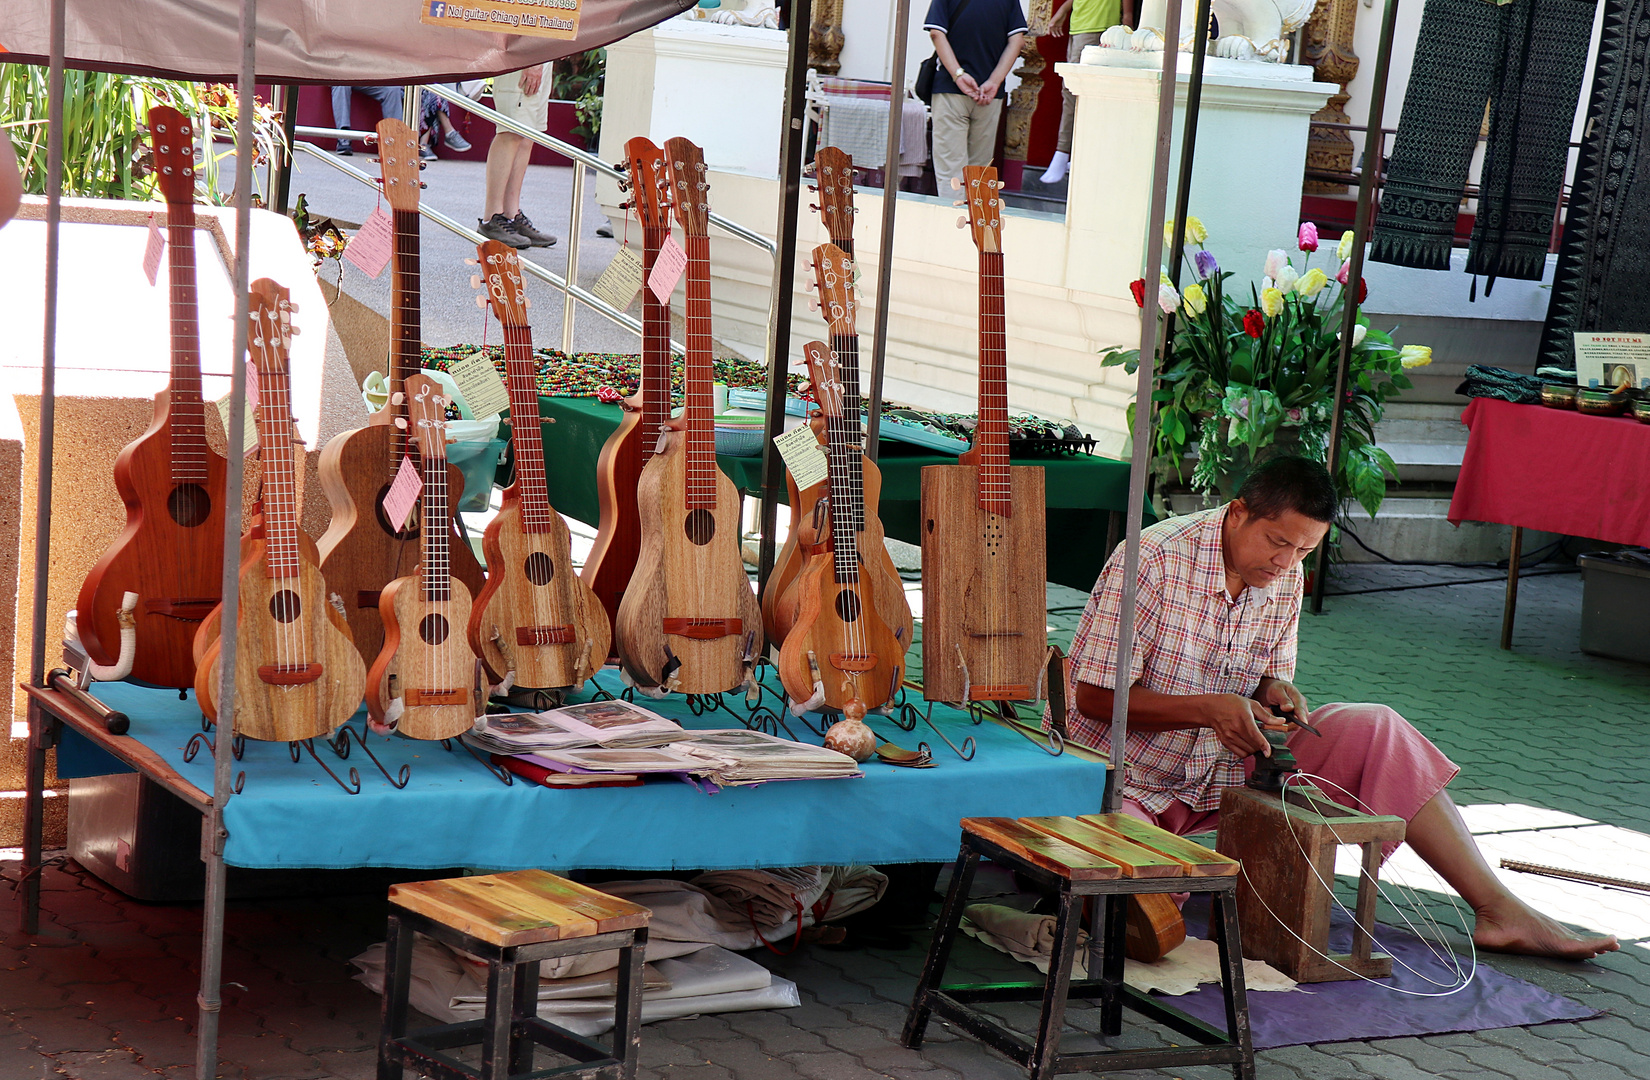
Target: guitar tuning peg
[
  {"x": 475, "y": 281},
  {"x": 401, "y": 422},
  {"x": 422, "y": 186},
  {"x": 481, "y": 302},
  {"x": 625, "y": 205},
  {"x": 527, "y": 304},
  {"x": 472, "y": 262},
  {"x": 294, "y": 330},
  {"x": 813, "y": 305},
  {"x": 962, "y": 223},
  {"x": 956, "y": 183},
  {"x": 292, "y": 307},
  {"x": 398, "y": 398},
  {"x": 813, "y": 206},
  {"x": 959, "y": 202}
]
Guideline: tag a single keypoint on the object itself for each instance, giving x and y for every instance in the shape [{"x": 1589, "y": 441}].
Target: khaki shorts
[{"x": 531, "y": 110}]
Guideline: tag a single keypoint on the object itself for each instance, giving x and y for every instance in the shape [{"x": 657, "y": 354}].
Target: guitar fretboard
[
  {"x": 525, "y": 431},
  {"x": 280, "y": 490},
  {"x": 655, "y": 388},
  {"x": 406, "y": 328},
  {"x": 187, "y": 413},
  {"x": 991, "y": 434},
  {"x": 844, "y": 455},
  {"x": 701, "y": 435},
  {"x": 437, "y": 573},
  {"x": 851, "y": 424}
]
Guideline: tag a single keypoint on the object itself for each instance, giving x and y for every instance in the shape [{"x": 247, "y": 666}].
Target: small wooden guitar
[
  {"x": 297, "y": 673},
  {"x": 861, "y": 480},
  {"x": 172, "y": 482},
  {"x": 984, "y": 572},
  {"x": 425, "y": 682},
  {"x": 361, "y": 550},
  {"x": 689, "y": 620},
  {"x": 627, "y": 450},
  {"x": 534, "y": 619},
  {"x": 839, "y": 653}
]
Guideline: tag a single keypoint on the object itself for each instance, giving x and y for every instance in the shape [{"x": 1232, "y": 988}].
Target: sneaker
[
  {"x": 1057, "y": 167},
  {"x": 522, "y": 225},
  {"x": 343, "y": 150},
  {"x": 605, "y": 229},
  {"x": 498, "y": 227},
  {"x": 456, "y": 142},
  {"x": 427, "y": 153}
]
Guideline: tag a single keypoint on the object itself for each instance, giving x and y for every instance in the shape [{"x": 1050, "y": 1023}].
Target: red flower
[
  {"x": 1138, "y": 288},
  {"x": 1363, "y": 290},
  {"x": 1253, "y": 323}
]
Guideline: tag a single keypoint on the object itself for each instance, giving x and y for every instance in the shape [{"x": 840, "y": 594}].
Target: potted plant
[{"x": 1251, "y": 371}]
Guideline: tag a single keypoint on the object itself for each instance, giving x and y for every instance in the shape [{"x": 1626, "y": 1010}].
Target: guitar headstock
[
  {"x": 173, "y": 136},
  {"x": 689, "y": 186},
  {"x": 506, "y": 291},
  {"x": 834, "y": 171},
  {"x": 834, "y": 278},
  {"x": 826, "y": 375},
  {"x": 399, "y": 163},
  {"x": 985, "y": 218},
  {"x": 269, "y": 332},
  {"x": 427, "y": 411},
  {"x": 649, "y": 182}
]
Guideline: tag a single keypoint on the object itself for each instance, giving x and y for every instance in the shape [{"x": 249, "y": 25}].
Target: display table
[
  {"x": 1086, "y": 495},
  {"x": 454, "y": 813},
  {"x": 1557, "y": 470}
]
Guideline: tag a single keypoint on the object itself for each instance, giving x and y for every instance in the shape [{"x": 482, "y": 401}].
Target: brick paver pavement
[{"x": 1554, "y": 749}]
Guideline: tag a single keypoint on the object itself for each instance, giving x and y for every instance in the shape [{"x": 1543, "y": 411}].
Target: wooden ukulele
[
  {"x": 172, "y": 482},
  {"x": 627, "y": 450},
  {"x": 833, "y": 273},
  {"x": 839, "y": 653},
  {"x": 534, "y": 619},
  {"x": 297, "y": 673},
  {"x": 689, "y": 620},
  {"x": 984, "y": 575},
  {"x": 424, "y": 683},
  {"x": 362, "y": 550}
]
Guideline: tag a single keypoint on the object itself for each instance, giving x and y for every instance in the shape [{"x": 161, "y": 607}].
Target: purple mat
[{"x": 1338, "y": 1011}]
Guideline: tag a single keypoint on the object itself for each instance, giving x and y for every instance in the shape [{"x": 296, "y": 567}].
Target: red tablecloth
[{"x": 1555, "y": 470}]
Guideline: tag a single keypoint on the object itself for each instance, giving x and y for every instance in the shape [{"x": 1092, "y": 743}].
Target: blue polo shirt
[{"x": 978, "y": 37}]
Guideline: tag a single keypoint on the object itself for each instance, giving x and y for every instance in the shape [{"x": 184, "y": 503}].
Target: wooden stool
[
  {"x": 512, "y": 921},
  {"x": 1288, "y": 850},
  {"x": 1108, "y": 856}
]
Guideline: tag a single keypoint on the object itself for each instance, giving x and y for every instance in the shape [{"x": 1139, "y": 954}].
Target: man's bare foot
[{"x": 1518, "y": 928}]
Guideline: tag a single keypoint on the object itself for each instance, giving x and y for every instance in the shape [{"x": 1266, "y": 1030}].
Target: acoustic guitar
[
  {"x": 839, "y": 653},
  {"x": 627, "y": 450},
  {"x": 861, "y": 480},
  {"x": 984, "y": 573},
  {"x": 425, "y": 683},
  {"x": 297, "y": 673},
  {"x": 689, "y": 620},
  {"x": 534, "y": 619},
  {"x": 171, "y": 551},
  {"x": 361, "y": 549}
]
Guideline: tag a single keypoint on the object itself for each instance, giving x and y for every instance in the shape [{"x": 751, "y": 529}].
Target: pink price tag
[
  {"x": 403, "y": 493},
  {"x": 154, "y": 250},
  {"x": 370, "y": 248},
  {"x": 667, "y": 269}
]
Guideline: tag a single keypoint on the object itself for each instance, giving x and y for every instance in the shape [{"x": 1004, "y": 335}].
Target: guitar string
[
  {"x": 533, "y": 497},
  {"x": 696, "y": 374},
  {"x": 991, "y": 431}
]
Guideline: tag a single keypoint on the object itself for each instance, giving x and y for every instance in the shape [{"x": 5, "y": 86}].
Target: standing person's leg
[
  {"x": 982, "y": 130},
  {"x": 1061, "y": 161},
  {"x": 340, "y": 117},
  {"x": 501, "y": 163},
  {"x": 532, "y": 110},
  {"x": 950, "y": 114},
  {"x": 389, "y": 100}
]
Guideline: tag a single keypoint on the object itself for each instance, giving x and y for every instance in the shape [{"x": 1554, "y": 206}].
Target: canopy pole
[
  {"x": 289, "y": 127},
  {"x": 1140, "y": 462},
  {"x": 784, "y": 278},
  {"x": 213, "y": 833},
  {"x": 890, "y": 202},
  {"x": 1367, "y": 177}
]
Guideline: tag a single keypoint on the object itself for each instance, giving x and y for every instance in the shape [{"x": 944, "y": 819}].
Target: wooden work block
[
  {"x": 1041, "y": 850},
  {"x": 521, "y": 907},
  {"x": 1137, "y": 861},
  {"x": 1288, "y": 854},
  {"x": 1198, "y": 860}
]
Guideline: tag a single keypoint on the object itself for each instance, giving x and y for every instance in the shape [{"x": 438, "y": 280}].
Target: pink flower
[
  {"x": 1345, "y": 272},
  {"x": 1309, "y": 236}
]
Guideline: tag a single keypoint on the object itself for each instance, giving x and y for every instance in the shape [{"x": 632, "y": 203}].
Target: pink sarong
[{"x": 1369, "y": 750}]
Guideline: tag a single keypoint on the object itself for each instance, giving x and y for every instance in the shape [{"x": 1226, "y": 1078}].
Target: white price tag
[
  {"x": 478, "y": 381},
  {"x": 803, "y": 456},
  {"x": 621, "y": 281}
]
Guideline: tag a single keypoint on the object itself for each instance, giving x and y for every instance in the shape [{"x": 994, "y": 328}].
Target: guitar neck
[
  {"x": 280, "y": 490},
  {"x": 850, "y": 426},
  {"x": 437, "y": 571},
  {"x": 406, "y": 328},
  {"x": 846, "y": 483},
  {"x": 696, "y": 382},
  {"x": 187, "y": 412},
  {"x": 531, "y": 490},
  {"x": 991, "y": 433},
  {"x": 655, "y": 389}
]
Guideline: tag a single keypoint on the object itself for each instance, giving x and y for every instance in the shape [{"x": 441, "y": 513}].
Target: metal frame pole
[
  {"x": 1141, "y": 459},
  {"x": 213, "y": 832},
  {"x": 575, "y": 223},
  {"x": 784, "y": 276},
  {"x": 890, "y": 202},
  {"x": 1349, "y": 295}
]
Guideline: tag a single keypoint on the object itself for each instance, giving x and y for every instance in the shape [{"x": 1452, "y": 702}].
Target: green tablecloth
[{"x": 1083, "y": 492}]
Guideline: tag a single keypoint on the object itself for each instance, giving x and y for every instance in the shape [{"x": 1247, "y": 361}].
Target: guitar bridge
[
  {"x": 544, "y": 635},
  {"x": 289, "y": 674},
  {"x": 703, "y": 629},
  {"x": 414, "y": 697},
  {"x": 855, "y": 662},
  {"x": 1021, "y": 692},
  {"x": 183, "y": 608}
]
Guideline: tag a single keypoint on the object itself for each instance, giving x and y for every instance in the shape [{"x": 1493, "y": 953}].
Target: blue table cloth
[{"x": 454, "y": 813}]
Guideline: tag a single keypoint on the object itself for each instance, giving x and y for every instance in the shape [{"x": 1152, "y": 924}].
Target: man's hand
[
  {"x": 1280, "y": 696},
  {"x": 988, "y": 91},
  {"x": 530, "y": 79},
  {"x": 1237, "y": 720},
  {"x": 965, "y": 82}
]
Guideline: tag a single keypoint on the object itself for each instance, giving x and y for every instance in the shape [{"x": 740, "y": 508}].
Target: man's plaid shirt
[{"x": 1190, "y": 638}]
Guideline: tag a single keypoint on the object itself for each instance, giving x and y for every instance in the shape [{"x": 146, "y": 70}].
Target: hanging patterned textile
[
  {"x": 1604, "y": 258},
  {"x": 1524, "y": 59}
]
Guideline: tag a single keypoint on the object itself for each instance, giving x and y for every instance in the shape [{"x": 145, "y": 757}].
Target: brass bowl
[
  {"x": 1601, "y": 402},
  {"x": 1641, "y": 411},
  {"x": 1558, "y": 397}
]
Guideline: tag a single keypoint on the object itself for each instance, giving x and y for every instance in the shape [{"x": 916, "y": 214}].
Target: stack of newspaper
[{"x": 738, "y": 756}]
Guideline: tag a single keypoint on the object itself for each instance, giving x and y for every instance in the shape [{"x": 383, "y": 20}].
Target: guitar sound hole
[
  {"x": 433, "y": 629},
  {"x": 847, "y": 605},
  {"x": 700, "y": 526},
  {"x": 189, "y": 505},
  {"x": 388, "y": 526},
  {"x": 538, "y": 568},
  {"x": 284, "y": 606}
]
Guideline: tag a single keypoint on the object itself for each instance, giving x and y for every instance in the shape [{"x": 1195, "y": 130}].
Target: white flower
[
  {"x": 1287, "y": 278},
  {"x": 1358, "y": 332},
  {"x": 1276, "y": 260}
]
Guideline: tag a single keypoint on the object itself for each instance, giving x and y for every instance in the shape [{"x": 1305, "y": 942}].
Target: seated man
[{"x": 1215, "y": 625}]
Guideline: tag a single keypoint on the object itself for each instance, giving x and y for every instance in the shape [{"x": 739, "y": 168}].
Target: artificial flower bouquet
[{"x": 1251, "y": 373}]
